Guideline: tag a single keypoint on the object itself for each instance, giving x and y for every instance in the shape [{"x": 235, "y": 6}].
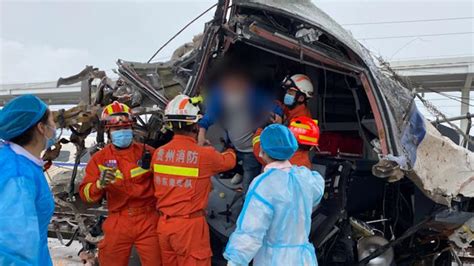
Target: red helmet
[
  {"x": 116, "y": 115},
  {"x": 306, "y": 130}
]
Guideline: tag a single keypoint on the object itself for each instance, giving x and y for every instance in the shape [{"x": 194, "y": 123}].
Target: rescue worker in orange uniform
[
  {"x": 306, "y": 131},
  {"x": 115, "y": 173},
  {"x": 299, "y": 89},
  {"x": 182, "y": 171}
]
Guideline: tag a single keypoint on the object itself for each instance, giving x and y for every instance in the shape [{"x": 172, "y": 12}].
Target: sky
[{"x": 43, "y": 40}]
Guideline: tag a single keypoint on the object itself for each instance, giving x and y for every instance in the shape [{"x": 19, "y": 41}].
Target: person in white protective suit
[{"x": 274, "y": 225}]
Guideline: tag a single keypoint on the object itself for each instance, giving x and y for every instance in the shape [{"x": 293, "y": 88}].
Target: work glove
[{"x": 107, "y": 177}]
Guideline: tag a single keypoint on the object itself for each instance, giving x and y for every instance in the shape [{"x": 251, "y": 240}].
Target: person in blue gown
[
  {"x": 27, "y": 128},
  {"x": 273, "y": 227}
]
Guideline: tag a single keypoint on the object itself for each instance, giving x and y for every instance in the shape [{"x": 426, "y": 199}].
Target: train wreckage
[{"x": 403, "y": 195}]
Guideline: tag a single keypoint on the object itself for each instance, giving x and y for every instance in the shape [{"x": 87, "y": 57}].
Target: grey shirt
[{"x": 238, "y": 122}]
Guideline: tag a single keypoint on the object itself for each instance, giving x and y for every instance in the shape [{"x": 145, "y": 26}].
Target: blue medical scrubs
[{"x": 26, "y": 208}]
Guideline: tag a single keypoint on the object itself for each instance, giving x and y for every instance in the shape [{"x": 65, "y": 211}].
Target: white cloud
[{"x": 22, "y": 62}]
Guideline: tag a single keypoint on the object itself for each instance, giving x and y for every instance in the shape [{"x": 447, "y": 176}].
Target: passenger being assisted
[
  {"x": 274, "y": 225},
  {"x": 114, "y": 173},
  {"x": 306, "y": 131},
  {"x": 182, "y": 172},
  {"x": 299, "y": 89},
  {"x": 241, "y": 107}
]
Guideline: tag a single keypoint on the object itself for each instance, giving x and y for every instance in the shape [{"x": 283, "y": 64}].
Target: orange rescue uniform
[
  {"x": 300, "y": 158},
  {"x": 182, "y": 171},
  {"x": 299, "y": 110},
  {"x": 132, "y": 218}
]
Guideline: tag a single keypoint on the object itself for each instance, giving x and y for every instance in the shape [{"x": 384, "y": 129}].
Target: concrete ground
[
  {"x": 64, "y": 256},
  {"x": 68, "y": 256}
]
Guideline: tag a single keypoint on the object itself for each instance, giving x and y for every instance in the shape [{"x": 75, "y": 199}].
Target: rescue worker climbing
[
  {"x": 26, "y": 130},
  {"x": 306, "y": 131},
  {"x": 299, "y": 89},
  {"x": 274, "y": 225},
  {"x": 182, "y": 171},
  {"x": 115, "y": 173}
]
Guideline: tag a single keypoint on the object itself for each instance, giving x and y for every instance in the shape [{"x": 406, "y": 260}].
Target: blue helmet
[
  {"x": 278, "y": 142},
  {"x": 20, "y": 114}
]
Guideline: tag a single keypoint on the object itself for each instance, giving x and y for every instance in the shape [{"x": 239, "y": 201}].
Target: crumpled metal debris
[
  {"x": 388, "y": 169},
  {"x": 441, "y": 168},
  {"x": 464, "y": 235}
]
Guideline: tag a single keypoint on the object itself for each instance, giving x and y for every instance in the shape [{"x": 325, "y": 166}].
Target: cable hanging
[
  {"x": 436, "y": 113},
  {"x": 419, "y": 35},
  {"x": 179, "y": 32},
  {"x": 405, "y": 21}
]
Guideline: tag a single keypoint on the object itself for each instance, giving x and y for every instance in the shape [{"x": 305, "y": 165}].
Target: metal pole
[
  {"x": 454, "y": 118},
  {"x": 465, "y": 100}
]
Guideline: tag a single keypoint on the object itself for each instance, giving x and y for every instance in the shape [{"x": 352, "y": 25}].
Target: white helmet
[
  {"x": 299, "y": 82},
  {"x": 180, "y": 109}
]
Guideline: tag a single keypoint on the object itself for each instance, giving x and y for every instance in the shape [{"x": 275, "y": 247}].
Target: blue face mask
[
  {"x": 51, "y": 141},
  {"x": 289, "y": 99},
  {"x": 122, "y": 138}
]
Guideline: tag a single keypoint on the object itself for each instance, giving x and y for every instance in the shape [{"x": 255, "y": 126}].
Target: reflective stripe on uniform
[
  {"x": 302, "y": 137},
  {"x": 138, "y": 171},
  {"x": 299, "y": 125},
  {"x": 118, "y": 174},
  {"x": 176, "y": 170},
  {"x": 87, "y": 194},
  {"x": 255, "y": 140},
  {"x": 110, "y": 109},
  {"x": 126, "y": 109},
  {"x": 103, "y": 168}
]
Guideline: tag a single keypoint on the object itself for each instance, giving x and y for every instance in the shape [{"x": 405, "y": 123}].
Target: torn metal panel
[
  {"x": 464, "y": 235},
  {"x": 397, "y": 140},
  {"x": 440, "y": 167},
  {"x": 399, "y": 97},
  {"x": 87, "y": 73},
  {"x": 146, "y": 78}
]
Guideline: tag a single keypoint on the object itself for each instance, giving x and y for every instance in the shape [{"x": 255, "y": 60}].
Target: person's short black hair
[
  {"x": 26, "y": 137},
  {"x": 182, "y": 127},
  {"x": 227, "y": 66}
]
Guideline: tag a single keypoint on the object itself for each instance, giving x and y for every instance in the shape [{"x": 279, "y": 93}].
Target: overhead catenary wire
[
  {"x": 436, "y": 113},
  {"x": 449, "y": 96},
  {"x": 419, "y": 35},
  {"x": 445, "y": 99},
  {"x": 446, "y": 106},
  {"x": 181, "y": 30},
  {"x": 405, "y": 21},
  {"x": 432, "y": 57},
  {"x": 453, "y": 96}
]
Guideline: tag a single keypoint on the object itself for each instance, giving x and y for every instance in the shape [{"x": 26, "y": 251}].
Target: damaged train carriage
[{"x": 396, "y": 189}]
